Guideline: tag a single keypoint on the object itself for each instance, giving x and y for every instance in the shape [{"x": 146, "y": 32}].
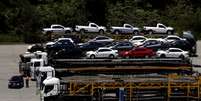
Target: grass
[{"x": 10, "y": 38}]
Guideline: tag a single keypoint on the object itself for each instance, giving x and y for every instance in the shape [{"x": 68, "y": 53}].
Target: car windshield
[
  {"x": 101, "y": 38},
  {"x": 48, "y": 88},
  {"x": 36, "y": 64},
  {"x": 15, "y": 78},
  {"x": 138, "y": 38},
  {"x": 112, "y": 44}
]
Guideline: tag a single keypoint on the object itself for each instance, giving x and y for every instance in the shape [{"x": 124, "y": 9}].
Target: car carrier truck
[{"x": 122, "y": 81}]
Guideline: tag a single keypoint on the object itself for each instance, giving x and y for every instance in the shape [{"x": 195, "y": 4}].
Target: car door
[
  {"x": 94, "y": 28},
  {"x": 172, "y": 53},
  {"x": 119, "y": 46},
  {"x": 151, "y": 44},
  {"x": 101, "y": 53},
  {"x": 128, "y": 29},
  {"x": 136, "y": 52},
  {"x": 161, "y": 29},
  {"x": 57, "y": 29}
]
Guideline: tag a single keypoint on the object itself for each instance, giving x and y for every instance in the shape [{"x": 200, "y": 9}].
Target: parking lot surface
[{"x": 9, "y": 57}]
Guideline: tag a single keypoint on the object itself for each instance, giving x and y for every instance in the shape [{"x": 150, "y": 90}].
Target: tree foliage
[{"x": 27, "y": 17}]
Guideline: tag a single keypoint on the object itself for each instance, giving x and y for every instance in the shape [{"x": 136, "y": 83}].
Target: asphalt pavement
[{"x": 9, "y": 57}]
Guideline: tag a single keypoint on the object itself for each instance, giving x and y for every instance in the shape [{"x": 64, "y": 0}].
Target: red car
[{"x": 137, "y": 52}]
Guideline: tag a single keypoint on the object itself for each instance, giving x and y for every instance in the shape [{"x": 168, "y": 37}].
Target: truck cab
[
  {"x": 44, "y": 72},
  {"x": 126, "y": 28},
  {"x": 92, "y": 27},
  {"x": 159, "y": 28},
  {"x": 51, "y": 88},
  {"x": 35, "y": 65},
  {"x": 42, "y": 55}
]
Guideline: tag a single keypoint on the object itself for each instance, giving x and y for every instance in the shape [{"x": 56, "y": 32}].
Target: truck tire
[
  {"x": 82, "y": 31},
  {"x": 111, "y": 56},
  {"x": 169, "y": 32},
  {"x": 150, "y": 32},
  {"x": 116, "y": 32},
  {"x": 67, "y": 32},
  {"x": 135, "y": 32},
  {"x": 101, "y": 31}
]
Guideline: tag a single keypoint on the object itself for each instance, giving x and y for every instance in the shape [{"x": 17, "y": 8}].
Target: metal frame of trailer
[
  {"x": 136, "y": 88},
  {"x": 65, "y": 63}
]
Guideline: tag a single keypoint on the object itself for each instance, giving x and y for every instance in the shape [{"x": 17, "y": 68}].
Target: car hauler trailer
[
  {"x": 74, "y": 63},
  {"x": 138, "y": 82},
  {"x": 134, "y": 88}
]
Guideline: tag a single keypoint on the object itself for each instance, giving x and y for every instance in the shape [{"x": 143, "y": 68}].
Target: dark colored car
[
  {"x": 154, "y": 44},
  {"x": 72, "y": 53},
  {"x": 121, "y": 46},
  {"x": 16, "y": 82},
  {"x": 137, "y": 52},
  {"x": 90, "y": 46},
  {"x": 35, "y": 47},
  {"x": 61, "y": 44}
]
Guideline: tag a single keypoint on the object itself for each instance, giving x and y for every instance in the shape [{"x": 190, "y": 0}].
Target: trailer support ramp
[{"x": 64, "y": 63}]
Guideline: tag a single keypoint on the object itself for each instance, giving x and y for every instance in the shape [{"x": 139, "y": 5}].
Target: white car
[
  {"x": 173, "y": 52},
  {"x": 101, "y": 39},
  {"x": 137, "y": 40},
  {"x": 59, "y": 40},
  {"x": 56, "y": 28},
  {"x": 171, "y": 38},
  {"x": 102, "y": 53},
  {"x": 150, "y": 41}
]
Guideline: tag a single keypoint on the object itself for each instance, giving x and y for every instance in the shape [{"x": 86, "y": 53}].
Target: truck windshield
[
  {"x": 36, "y": 64},
  {"x": 48, "y": 88}
]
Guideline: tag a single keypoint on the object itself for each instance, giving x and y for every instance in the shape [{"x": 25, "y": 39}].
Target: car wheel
[
  {"x": 92, "y": 57},
  {"x": 150, "y": 32},
  {"x": 111, "y": 56},
  {"x": 116, "y": 32},
  {"x": 135, "y": 32},
  {"x": 82, "y": 31},
  {"x": 146, "y": 56},
  {"x": 181, "y": 56},
  {"x": 169, "y": 32},
  {"x": 127, "y": 57},
  {"x": 101, "y": 32},
  {"x": 162, "y": 56}
]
